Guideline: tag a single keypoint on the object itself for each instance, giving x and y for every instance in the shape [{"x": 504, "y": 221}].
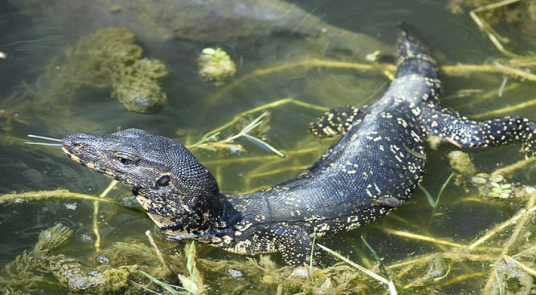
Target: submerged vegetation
[
  {"x": 109, "y": 57},
  {"x": 106, "y": 58},
  {"x": 215, "y": 65},
  {"x": 24, "y": 274},
  {"x": 117, "y": 268},
  {"x": 520, "y": 13}
]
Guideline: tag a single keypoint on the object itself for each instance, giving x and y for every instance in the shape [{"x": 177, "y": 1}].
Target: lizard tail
[{"x": 413, "y": 58}]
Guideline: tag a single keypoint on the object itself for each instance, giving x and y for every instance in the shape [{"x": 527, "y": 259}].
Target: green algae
[
  {"x": 137, "y": 86},
  {"x": 511, "y": 279},
  {"x": 69, "y": 273},
  {"x": 26, "y": 273},
  {"x": 462, "y": 163},
  {"x": 20, "y": 274},
  {"x": 108, "y": 57},
  {"x": 116, "y": 269}
]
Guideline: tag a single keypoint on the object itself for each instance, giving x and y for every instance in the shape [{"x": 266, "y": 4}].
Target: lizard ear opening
[{"x": 163, "y": 181}]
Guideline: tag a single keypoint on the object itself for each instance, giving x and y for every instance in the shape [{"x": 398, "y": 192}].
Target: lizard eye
[
  {"x": 126, "y": 159},
  {"x": 163, "y": 181}
]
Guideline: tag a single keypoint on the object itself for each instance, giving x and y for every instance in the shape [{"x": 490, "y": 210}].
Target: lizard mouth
[{"x": 73, "y": 156}]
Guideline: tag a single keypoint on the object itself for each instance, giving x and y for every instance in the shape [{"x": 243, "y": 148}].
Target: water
[{"x": 34, "y": 33}]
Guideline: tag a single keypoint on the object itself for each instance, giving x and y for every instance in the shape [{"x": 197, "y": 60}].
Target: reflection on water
[{"x": 314, "y": 52}]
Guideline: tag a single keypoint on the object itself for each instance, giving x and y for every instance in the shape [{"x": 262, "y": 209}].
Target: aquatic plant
[
  {"x": 215, "y": 65},
  {"x": 461, "y": 162},
  {"x": 494, "y": 185},
  {"x": 189, "y": 284},
  {"x": 108, "y": 57},
  {"x": 20, "y": 273},
  {"x": 23, "y": 273},
  {"x": 168, "y": 287},
  {"x": 246, "y": 131},
  {"x": 137, "y": 86}
]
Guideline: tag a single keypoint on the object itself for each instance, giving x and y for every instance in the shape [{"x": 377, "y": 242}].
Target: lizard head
[{"x": 179, "y": 193}]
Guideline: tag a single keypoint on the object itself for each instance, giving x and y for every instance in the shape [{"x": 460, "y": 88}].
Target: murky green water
[{"x": 276, "y": 34}]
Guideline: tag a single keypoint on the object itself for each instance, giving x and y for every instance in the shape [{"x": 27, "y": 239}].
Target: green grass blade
[
  {"x": 431, "y": 200},
  {"x": 213, "y": 136},
  {"x": 162, "y": 284},
  {"x": 190, "y": 257},
  {"x": 428, "y": 196},
  {"x": 443, "y": 188},
  {"x": 377, "y": 258},
  {"x": 192, "y": 277},
  {"x": 190, "y": 267}
]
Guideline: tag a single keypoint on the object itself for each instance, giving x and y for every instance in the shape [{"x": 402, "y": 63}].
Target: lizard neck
[{"x": 216, "y": 229}]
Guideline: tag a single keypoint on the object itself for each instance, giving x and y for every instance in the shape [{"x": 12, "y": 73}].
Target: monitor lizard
[{"x": 372, "y": 170}]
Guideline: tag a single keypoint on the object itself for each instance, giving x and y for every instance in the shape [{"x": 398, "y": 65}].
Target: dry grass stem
[
  {"x": 156, "y": 250},
  {"x": 529, "y": 270},
  {"x": 96, "y": 213},
  {"x": 256, "y": 110},
  {"x": 506, "y": 110},
  {"x": 513, "y": 238},
  {"x": 357, "y": 266},
  {"x": 261, "y": 158},
  {"x": 462, "y": 278},
  {"x": 504, "y": 225},
  {"x": 420, "y": 237},
  {"x": 385, "y": 69},
  {"x": 278, "y": 171},
  {"x": 485, "y": 27},
  {"x": 518, "y": 165},
  {"x": 60, "y": 193}
]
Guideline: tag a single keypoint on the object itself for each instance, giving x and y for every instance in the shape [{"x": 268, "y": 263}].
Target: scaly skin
[{"x": 371, "y": 171}]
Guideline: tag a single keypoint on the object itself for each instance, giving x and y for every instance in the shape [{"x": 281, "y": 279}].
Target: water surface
[{"x": 33, "y": 34}]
